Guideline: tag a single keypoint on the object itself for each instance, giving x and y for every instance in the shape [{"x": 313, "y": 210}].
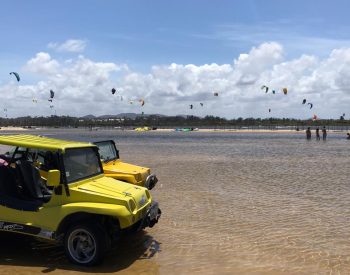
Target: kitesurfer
[
  {"x": 308, "y": 133},
  {"x": 324, "y": 133},
  {"x": 318, "y": 134},
  {"x": 348, "y": 136}
]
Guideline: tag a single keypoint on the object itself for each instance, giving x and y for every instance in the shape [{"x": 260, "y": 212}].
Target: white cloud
[
  {"x": 83, "y": 86},
  {"x": 70, "y": 45},
  {"x": 42, "y": 64},
  {"x": 250, "y": 66}
]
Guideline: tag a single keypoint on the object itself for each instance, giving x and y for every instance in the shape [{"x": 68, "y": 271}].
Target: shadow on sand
[{"x": 18, "y": 250}]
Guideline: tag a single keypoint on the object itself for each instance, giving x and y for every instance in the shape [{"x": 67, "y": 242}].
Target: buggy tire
[{"x": 85, "y": 244}]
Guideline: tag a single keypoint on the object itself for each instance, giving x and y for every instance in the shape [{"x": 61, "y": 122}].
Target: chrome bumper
[{"x": 152, "y": 216}]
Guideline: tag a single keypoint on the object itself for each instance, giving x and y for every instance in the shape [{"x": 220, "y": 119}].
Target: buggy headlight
[
  {"x": 138, "y": 177},
  {"x": 132, "y": 205},
  {"x": 148, "y": 194}
]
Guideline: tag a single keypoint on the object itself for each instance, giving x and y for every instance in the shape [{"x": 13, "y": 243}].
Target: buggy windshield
[
  {"x": 107, "y": 150},
  {"x": 81, "y": 163}
]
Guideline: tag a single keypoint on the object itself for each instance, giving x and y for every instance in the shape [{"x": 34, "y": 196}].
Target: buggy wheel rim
[{"x": 82, "y": 246}]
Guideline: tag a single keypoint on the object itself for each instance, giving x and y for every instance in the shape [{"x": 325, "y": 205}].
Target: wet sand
[
  {"x": 9, "y": 129},
  {"x": 232, "y": 204}
]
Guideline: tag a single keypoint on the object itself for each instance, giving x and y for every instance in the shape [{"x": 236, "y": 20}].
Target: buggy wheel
[{"x": 85, "y": 244}]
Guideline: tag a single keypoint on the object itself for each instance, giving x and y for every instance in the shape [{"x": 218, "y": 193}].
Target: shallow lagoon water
[{"x": 232, "y": 203}]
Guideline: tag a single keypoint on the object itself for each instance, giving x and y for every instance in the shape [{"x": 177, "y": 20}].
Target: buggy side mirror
[{"x": 53, "y": 178}]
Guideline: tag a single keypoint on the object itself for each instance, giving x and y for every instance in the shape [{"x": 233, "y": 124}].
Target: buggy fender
[{"x": 120, "y": 212}]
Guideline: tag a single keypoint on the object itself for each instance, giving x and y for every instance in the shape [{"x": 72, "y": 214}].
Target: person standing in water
[
  {"x": 308, "y": 133},
  {"x": 318, "y": 134},
  {"x": 324, "y": 133},
  {"x": 348, "y": 137}
]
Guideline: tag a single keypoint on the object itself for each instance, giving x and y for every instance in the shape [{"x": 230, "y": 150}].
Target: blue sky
[{"x": 143, "y": 34}]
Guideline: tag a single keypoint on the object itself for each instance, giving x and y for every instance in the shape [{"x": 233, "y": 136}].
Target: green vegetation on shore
[{"x": 166, "y": 121}]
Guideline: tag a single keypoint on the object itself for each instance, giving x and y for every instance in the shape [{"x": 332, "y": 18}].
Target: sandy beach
[{"x": 10, "y": 129}]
